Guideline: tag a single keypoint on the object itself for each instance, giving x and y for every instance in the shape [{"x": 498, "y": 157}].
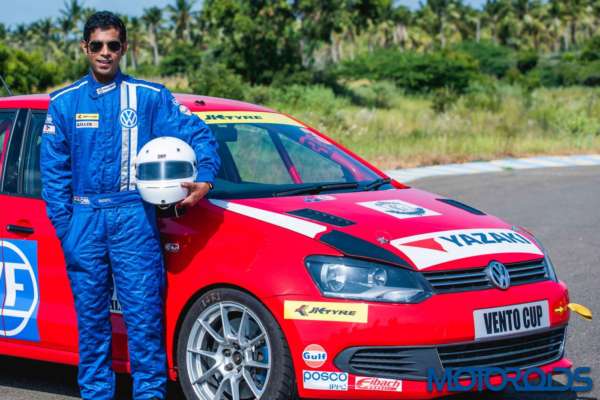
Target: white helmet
[{"x": 160, "y": 168}]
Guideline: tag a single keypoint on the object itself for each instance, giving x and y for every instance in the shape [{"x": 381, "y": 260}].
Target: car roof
[{"x": 192, "y": 101}]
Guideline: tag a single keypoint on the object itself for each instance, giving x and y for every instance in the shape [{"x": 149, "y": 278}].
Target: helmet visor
[{"x": 164, "y": 170}]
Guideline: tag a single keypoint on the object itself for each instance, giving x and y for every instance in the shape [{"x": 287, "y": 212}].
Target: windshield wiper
[
  {"x": 376, "y": 184},
  {"x": 315, "y": 189}
]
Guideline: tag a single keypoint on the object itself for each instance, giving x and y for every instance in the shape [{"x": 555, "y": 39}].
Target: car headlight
[
  {"x": 363, "y": 280},
  {"x": 547, "y": 261}
]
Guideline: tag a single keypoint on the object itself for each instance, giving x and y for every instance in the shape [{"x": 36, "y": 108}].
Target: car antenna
[{"x": 6, "y": 86}]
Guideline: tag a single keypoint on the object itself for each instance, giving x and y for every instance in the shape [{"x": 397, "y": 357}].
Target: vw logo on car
[
  {"x": 19, "y": 289},
  {"x": 498, "y": 275}
]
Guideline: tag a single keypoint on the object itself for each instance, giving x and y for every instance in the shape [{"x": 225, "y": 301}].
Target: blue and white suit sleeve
[
  {"x": 173, "y": 120},
  {"x": 55, "y": 166}
]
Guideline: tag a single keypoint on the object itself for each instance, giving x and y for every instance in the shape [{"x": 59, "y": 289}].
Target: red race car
[{"x": 306, "y": 272}]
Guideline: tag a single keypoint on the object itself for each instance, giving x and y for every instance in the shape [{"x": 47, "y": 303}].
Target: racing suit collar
[{"x": 97, "y": 89}]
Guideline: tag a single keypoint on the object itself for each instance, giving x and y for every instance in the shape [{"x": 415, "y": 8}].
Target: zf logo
[{"x": 19, "y": 290}]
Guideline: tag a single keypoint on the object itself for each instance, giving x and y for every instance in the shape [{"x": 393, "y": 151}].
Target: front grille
[
  {"x": 477, "y": 279},
  {"x": 389, "y": 362},
  {"x": 516, "y": 352}
]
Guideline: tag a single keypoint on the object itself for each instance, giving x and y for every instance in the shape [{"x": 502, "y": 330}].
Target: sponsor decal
[
  {"x": 128, "y": 118},
  {"x": 439, "y": 247},
  {"x": 49, "y": 128},
  {"x": 377, "y": 384},
  {"x": 48, "y": 119},
  {"x": 184, "y": 110},
  {"x": 245, "y": 117},
  {"x": 314, "y": 355},
  {"x": 107, "y": 88},
  {"x": 399, "y": 209},
  {"x": 507, "y": 320},
  {"x": 323, "y": 380},
  {"x": 19, "y": 290},
  {"x": 87, "y": 117},
  {"x": 86, "y": 124},
  {"x": 318, "y": 198},
  {"x": 326, "y": 311}
]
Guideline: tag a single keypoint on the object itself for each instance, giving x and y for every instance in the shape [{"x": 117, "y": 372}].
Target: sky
[{"x": 26, "y": 11}]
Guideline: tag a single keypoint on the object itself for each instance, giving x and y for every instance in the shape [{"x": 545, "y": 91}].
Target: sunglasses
[{"x": 95, "y": 46}]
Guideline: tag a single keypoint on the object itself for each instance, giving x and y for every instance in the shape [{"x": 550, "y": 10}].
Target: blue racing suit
[{"x": 90, "y": 140}]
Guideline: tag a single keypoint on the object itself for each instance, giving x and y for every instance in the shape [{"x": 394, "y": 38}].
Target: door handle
[{"x": 19, "y": 229}]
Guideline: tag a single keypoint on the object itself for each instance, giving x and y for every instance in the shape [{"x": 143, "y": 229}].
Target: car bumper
[{"x": 438, "y": 321}]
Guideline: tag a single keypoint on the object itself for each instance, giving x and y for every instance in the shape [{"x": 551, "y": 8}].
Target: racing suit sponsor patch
[
  {"x": 377, "y": 384},
  {"x": 19, "y": 290},
  {"x": 324, "y": 380},
  {"x": 399, "y": 209},
  {"x": 87, "y": 117},
  {"x": 86, "y": 124},
  {"x": 326, "y": 311},
  {"x": 435, "y": 248},
  {"x": 49, "y": 129}
]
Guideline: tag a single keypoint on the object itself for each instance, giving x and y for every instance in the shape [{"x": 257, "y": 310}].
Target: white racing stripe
[
  {"x": 298, "y": 225},
  {"x": 133, "y": 137},
  {"x": 124, "y": 140}
]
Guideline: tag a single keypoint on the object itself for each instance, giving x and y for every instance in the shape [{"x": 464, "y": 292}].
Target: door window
[
  {"x": 7, "y": 119},
  {"x": 13, "y": 154},
  {"x": 32, "y": 184}
]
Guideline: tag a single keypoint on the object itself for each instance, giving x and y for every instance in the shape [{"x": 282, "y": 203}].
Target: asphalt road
[{"x": 561, "y": 206}]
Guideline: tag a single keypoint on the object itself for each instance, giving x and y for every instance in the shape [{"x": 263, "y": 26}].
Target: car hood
[{"x": 407, "y": 227}]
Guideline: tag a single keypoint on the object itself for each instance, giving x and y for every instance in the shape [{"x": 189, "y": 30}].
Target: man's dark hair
[{"x": 104, "y": 20}]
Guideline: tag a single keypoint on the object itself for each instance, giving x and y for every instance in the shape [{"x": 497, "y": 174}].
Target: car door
[
  {"x": 7, "y": 121},
  {"x": 38, "y": 306}
]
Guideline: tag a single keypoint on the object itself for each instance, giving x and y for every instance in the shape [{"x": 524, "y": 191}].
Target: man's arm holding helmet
[
  {"x": 55, "y": 166},
  {"x": 173, "y": 119}
]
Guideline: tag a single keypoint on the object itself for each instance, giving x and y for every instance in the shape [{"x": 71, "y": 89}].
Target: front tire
[{"x": 231, "y": 348}]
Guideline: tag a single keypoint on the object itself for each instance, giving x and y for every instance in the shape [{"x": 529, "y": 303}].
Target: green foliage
[
  {"x": 526, "y": 61},
  {"x": 255, "y": 39},
  {"x": 214, "y": 79},
  {"x": 184, "y": 58},
  {"x": 375, "y": 95},
  {"x": 26, "y": 72},
  {"x": 483, "y": 94},
  {"x": 493, "y": 59},
  {"x": 412, "y": 71},
  {"x": 591, "y": 49},
  {"x": 442, "y": 99}
]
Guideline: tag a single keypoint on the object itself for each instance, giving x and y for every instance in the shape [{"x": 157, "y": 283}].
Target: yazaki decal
[
  {"x": 435, "y": 248},
  {"x": 19, "y": 290},
  {"x": 399, "y": 209}
]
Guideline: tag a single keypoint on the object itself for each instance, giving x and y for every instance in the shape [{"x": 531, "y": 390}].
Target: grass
[
  {"x": 489, "y": 123},
  {"x": 409, "y": 133}
]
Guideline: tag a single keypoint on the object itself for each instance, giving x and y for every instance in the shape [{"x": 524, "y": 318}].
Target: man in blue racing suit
[{"x": 90, "y": 139}]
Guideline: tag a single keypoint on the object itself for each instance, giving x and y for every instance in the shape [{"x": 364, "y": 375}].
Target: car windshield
[{"x": 267, "y": 155}]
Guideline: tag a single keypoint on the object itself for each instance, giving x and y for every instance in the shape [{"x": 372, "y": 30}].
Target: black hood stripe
[{"x": 356, "y": 247}]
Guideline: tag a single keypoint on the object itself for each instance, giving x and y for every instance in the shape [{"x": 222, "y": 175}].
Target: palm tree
[
  {"x": 153, "y": 18},
  {"x": 495, "y": 12},
  {"x": 181, "y": 14},
  {"x": 71, "y": 16},
  {"x": 135, "y": 38},
  {"x": 45, "y": 36}
]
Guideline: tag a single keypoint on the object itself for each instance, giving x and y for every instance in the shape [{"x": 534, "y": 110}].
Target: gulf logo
[{"x": 314, "y": 355}]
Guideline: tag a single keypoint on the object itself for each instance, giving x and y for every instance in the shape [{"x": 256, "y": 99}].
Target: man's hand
[{"x": 197, "y": 190}]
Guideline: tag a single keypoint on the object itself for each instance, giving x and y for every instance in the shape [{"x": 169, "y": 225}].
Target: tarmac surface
[{"x": 561, "y": 206}]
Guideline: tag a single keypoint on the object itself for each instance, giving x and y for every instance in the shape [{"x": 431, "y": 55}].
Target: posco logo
[{"x": 19, "y": 288}]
